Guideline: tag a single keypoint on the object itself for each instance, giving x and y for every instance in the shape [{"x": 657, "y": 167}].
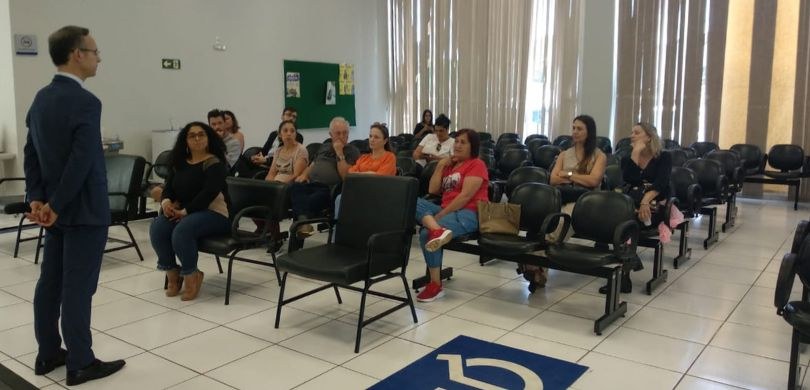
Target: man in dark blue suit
[{"x": 66, "y": 185}]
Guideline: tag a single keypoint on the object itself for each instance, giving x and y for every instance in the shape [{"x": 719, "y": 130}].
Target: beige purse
[{"x": 501, "y": 218}]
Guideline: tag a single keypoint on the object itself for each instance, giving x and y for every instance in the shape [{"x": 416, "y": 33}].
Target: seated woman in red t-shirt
[{"x": 462, "y": 180}]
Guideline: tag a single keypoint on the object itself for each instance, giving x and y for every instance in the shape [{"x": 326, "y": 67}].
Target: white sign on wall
[{"x": 25, "y": 44}]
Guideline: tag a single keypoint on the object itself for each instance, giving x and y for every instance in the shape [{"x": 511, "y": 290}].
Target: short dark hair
[
  {"x": 475, "y": 141},
  {"x": 443, "y": 121},
  {"x": 233, "y": 117},
  {"x": 64, "y": 41},
  {"x": 216, "y": 113},
  {"x": 181, "y": 153},
  {"x": 290, "y": 109}
]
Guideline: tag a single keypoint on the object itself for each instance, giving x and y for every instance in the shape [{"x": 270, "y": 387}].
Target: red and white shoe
[
  {"x": 437, "y": 238},
  {"x": 431, "y": 292}
]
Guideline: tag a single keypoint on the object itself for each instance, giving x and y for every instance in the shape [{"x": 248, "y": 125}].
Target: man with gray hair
[{"x": 311, "y": 191}]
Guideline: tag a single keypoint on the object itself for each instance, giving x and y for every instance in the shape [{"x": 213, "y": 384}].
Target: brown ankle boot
[
  {"x": 175, "y": 282},
  {"x": 193, "y": 284}
]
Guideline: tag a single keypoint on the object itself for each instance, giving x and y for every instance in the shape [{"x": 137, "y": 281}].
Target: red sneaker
[
  {"x": 430, "y": 293},
  {"x": 437, "y": 238}
]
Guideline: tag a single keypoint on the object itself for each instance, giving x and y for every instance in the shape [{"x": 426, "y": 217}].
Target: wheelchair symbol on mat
[{"x": 530, "y": 379}]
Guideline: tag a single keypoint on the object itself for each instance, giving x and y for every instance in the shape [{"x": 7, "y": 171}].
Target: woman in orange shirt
[{"x": 381, "y": 161}]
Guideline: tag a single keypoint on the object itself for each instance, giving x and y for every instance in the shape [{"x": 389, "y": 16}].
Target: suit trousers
[{"x": 67, "y": 282}]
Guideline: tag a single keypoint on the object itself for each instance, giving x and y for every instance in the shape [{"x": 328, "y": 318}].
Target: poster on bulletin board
[{"x": 319, "y": 91}]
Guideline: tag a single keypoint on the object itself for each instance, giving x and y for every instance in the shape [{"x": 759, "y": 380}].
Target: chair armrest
[
  {"x": 252, "y": 212},
  {"x": 552, "y": 218},
  {"x": 377, "y": 241},
  {"x": 694, "y": 196},
  {"x": 260, "y": 174},
  {"x": 784, "y": 282},
  {"x": 626, "y": 231}
]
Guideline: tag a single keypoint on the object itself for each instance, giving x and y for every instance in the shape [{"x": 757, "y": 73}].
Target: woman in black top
[
  {"x": 193, "y": 206},
  {"x": 646, "y": 176},
  {"x": 425, "y": 126}
]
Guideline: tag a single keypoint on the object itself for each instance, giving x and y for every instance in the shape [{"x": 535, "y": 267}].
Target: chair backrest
[
  {"x": 161, "y": 167},
  {"x": 786, "y": 157},
  {"x": 424, "y": 178},
  {"x": 251, "y": 151},
  {"x": 243, "y": 167},
  {"x": 544, "y": 156},
  {"x": 525, "y": 175},
  {"x": 374, "y": 204},
  {"x": 732, "y": 166},
  {"x": 797, "y": 262},
  {"x": 703, "y": 148},
  {"x": 502, "y": 144},
  {"x": 124, "y": 175},
  {"x": 484, "y": 136},
  {"x": 312, "y": 150},
  {"x": 536, "y": 200},
  {"x": 408, "y": 167},
  {"x": 690, "y": 153},
  {"x": 677, "y": 156},
  {"x": 562, "y": 139},
  {"x": 604, "y": 144},
  {"x": 597, "y": 214},
  {"x": 512, "y": 159},
  {"x": 671, "y": 144},
  {"x": 613, "y": 177},
  {"x": 624, "y": 143},
  {"x": 751, "y": 156},
  {"x": 686, "y": 188},
  {"x": 536, "y": 143},
  {"x": 361, "y": 145},
  {"x": 514, "y": 136},
  {"x": 710, "y": 175},
  {"x": 802, "y": 230},
  {"x": 613, "y": 160},
  {"x": 244, "y": 193},
  {"x": 532, "y": 137}
]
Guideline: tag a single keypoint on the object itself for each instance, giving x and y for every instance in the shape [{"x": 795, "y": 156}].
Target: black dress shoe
[
  {"x": 95, "y": 370},
  {"x": 627, "y": 286},
  {"x": 42, "y": 367}
]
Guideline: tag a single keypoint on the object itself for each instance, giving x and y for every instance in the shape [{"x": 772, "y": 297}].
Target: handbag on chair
[{"x": 501, "y": 218}]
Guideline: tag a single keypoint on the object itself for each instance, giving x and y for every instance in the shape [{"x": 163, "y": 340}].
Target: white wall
[
  {"x": 8, "y": 114},
  {"x": 596, "y": 96},
  {"x": 138, "y": 96}
]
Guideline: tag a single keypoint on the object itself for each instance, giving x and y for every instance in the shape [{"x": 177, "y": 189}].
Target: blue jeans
[
  {"x": 460, "y": 222},
  {"x": 179, "y": 239}
]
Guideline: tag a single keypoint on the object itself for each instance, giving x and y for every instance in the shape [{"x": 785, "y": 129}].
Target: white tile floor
[{"x": 712, "y": 325}]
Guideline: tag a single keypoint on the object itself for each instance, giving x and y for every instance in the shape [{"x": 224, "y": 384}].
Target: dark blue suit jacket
[{"x": 64, "y": 159}]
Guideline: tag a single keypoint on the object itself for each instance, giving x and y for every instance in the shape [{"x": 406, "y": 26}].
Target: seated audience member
[
  {"x": 290, "y": 161},
  {"x": 578, "y": 169},
  {"x": 232, "y": 126},
  {"x": 462, "y": 181},
  {"x": 425, "y": 126},
  {"x": 193, "y": 207},
  {"x": 288, "y": 114},
  {"x": 311, "y": 192},
  {"x": 381, "y": 161},
  {"x": 646, "y": 176},
  {"x": 216, "y": 119},
  {"x": 435, "y": 146}
]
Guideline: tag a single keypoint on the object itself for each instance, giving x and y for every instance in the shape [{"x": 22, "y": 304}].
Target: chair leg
[
  {"x": 39, "y": 245},
  {"x": 280, "y": 298},
  {"x": 410, "y": 298},
  {"x": 219, "y": 263},
  {"x": 793, "y": 372},
  {"x": 684, "y": 252},
  {"x": 19, "y": 234},
  {"x": 711, "y": 212},
  {"x": 731, "y": 212},
  {"x": 134, "y": 243},
  {"x": 360, "y": 318},
  {"x": 278, "y": 274},
  {"x": 659, "y": 275},
  {"x": 228, "y": 279},
  {"x": 337, "y": 294},
  {"x": 796, "y": 196}
]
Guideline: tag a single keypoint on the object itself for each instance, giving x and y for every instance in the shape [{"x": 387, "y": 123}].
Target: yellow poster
[{"x": 346, "y": 86}]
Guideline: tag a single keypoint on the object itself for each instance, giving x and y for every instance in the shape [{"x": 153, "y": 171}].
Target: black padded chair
[
  {"x": 253, "y": 199},
  {"x": 424, "y": 178},
  {"x": 361, "y": 145},
  {"x": 159, "y": 169},
  {"x": 509, "y": 161},
  {"x": 365, "y": 248},
  {"x": 617, "y": 226},
  {"x": 525, "y": 175},
  {"x": 537, "y": 201},
  {"x": 312, "y": 150},
  {"x": 703, "y": 148},
  {"x": 690, "y": 153},
  {"x": 544, "y": 156},
  {"x": 686, "y": 189},
  {"x": 514, "y": 136},
  {"x": 670, "y": 144},
  {"x": 124, "y": 182},
  {"x": 536, "y": 143},
  {"x": 678, "y": 157},
  {"x": 16, "y": 205},
  {"x": 714, "y": 185},
  {"x": 604, "y": 144},
  {"x": 564, "y": 141},
  {"x": 405, "y": 153},
  {"x": 406, "y": 166},
  {"x": 624, "y": 143},
  {"x": 243, "y": 166},
  {"x": 502, "y": 144},
  {"x": 792, "y": 166},
  {"x": 795, "y": 313},
  {"x": 533, "y": 137},
  {"x": 733, "y": 170},
  {"x": 612, "y": 159},
  {"x": 484, "y": 136},
  {"x": 753, "y": 159},
  {"x": 613, "y": 179}
]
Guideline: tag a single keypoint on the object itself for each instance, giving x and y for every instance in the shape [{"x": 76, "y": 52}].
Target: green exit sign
[{"x": 170, "y": 63}]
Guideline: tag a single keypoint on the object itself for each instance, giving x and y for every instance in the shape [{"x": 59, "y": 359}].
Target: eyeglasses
[
  {"x": 196, "y": 136},
  {"x": 94, "y": 51},
  {"x": 438, "y": 147}
]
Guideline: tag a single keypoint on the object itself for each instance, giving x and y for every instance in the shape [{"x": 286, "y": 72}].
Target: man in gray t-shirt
[{"x": 311, "y": 192}]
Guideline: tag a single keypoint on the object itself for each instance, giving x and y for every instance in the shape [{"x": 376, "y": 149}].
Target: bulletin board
[{"x": 305, "y": 88}]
